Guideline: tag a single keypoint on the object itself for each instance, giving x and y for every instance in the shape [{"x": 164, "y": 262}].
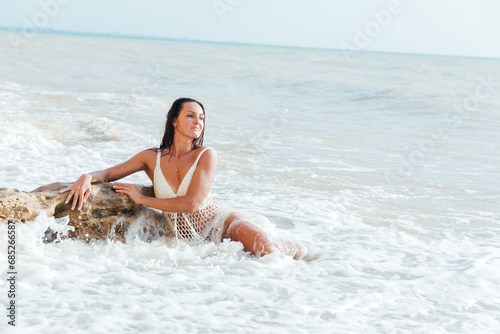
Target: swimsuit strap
[
  {"x": 158, "y": 173},
  {"x": 199, "y": 155},
  {"x": 158, "y": 156}
]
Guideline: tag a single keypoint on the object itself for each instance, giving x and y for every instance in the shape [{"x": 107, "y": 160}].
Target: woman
[{"x": 182, "y": 172}]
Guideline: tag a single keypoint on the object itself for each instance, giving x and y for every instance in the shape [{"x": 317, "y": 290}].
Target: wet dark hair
[{"x": 173, "y": 113}]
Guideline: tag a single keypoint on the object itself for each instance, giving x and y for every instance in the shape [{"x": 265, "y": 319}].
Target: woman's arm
[
  {"x": 197, "y": 192},
  {"x": 80, "y": 190}
]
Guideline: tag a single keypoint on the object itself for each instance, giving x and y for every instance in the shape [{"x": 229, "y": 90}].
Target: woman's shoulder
[
  {"x": 205, "y": 153},
  {"x": 150, "y": 150},
  {"x": 205, "y": 150},
  {"x": 147, "y": 154}
]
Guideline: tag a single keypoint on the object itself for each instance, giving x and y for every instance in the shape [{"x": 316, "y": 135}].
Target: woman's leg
[{"x": 258, "y": 242}]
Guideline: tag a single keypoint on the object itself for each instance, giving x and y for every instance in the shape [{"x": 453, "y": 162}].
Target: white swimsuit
[{"x": 205, "y": 224}]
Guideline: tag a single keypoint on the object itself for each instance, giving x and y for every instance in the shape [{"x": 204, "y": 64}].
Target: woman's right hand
[{"x": 79, "y": 191}]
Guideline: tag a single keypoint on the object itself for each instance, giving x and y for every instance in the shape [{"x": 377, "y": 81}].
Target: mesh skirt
[{"x": 206, "y": 224}]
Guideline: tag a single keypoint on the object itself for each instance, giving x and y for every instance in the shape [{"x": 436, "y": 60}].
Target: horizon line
[{"x": 189, "y": 40}]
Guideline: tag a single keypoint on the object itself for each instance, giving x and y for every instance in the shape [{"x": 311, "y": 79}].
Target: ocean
[{"x": 388, "y": 164}]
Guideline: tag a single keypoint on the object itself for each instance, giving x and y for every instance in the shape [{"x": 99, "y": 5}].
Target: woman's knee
[{"x": 253, "y": 238}]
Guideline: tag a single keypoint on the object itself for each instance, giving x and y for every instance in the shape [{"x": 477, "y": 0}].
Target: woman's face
[{"x": 190, "y": 121}]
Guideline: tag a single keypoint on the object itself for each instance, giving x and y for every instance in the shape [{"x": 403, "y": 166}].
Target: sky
[{"x": 440, "y": 27}]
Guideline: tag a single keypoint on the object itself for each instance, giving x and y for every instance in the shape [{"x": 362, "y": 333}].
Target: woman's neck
[{"x": 181, "y": 146}]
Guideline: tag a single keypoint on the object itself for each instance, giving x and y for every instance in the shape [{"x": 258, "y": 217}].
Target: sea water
[{"x": 388, "y": 164}]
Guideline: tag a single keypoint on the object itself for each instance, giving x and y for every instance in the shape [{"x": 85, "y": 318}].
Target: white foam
[{"x": 399, "y": 253}]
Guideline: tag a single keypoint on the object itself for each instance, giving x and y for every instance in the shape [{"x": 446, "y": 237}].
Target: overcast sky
[{"x": 446, "y": 27}]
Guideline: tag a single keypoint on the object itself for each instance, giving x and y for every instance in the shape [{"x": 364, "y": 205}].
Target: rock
[{"x": 105, "y": 215}]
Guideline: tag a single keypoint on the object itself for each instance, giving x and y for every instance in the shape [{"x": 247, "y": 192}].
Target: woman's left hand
[{"x": 132, "y": 190}]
